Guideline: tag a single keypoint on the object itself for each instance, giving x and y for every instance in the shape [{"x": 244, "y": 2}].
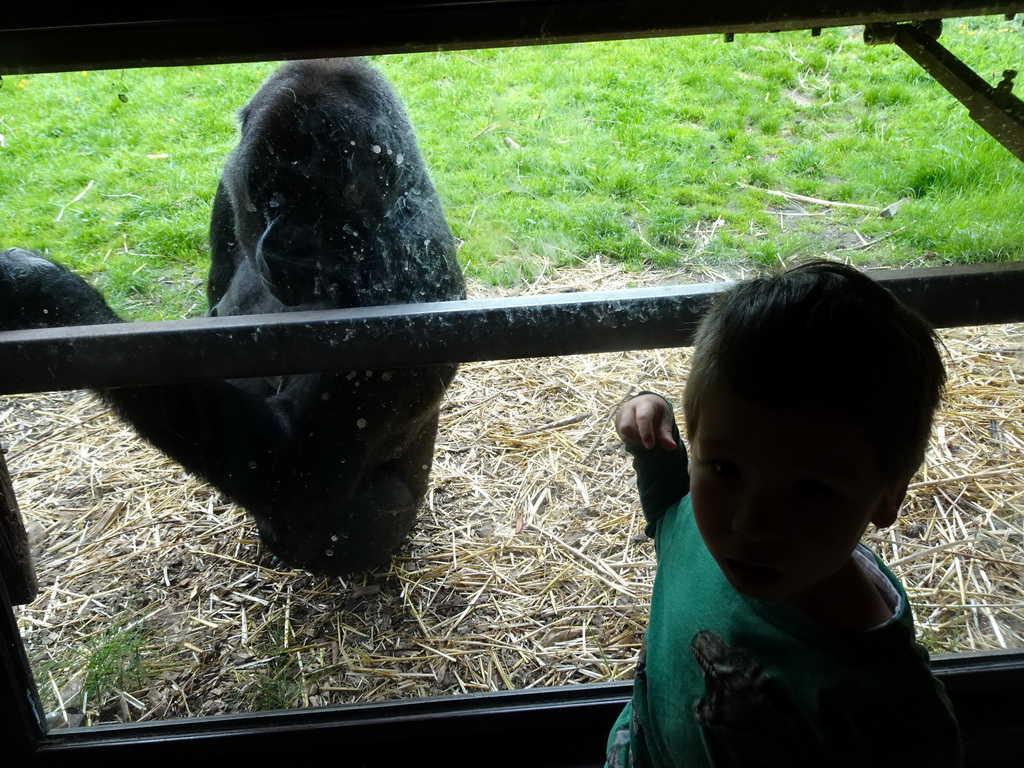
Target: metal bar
[
  {"x": 347, "y": 339},
  {"x": 99, "y": 356},
  {"x": 97, "y": 36},
  {"x": 995, "y": 109}
]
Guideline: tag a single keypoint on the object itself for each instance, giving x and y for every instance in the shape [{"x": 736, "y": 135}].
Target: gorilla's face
[{"x": 309, "y": 207}]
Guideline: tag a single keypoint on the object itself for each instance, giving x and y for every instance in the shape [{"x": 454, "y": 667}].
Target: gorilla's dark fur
[{"x": 325, "y": 203}]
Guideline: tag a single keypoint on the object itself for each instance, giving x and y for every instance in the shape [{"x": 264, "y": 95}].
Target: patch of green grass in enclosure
[
  {"x": 109, "y": 663},
  {"x": 550, "y": 155},
  {"x": 622, "y": 148},
  {"x": 113, "y": 174},
  {"x": 279, "y": 683}
]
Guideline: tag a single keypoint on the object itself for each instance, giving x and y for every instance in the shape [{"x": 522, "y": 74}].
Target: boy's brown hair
[{"x": 823, "y": 333}]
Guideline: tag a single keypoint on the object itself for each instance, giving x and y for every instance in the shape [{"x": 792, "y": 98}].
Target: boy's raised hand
[{"x": 646, "y": 420}]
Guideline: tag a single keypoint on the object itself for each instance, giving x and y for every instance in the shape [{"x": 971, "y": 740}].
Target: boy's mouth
[{"x": 752, "y": 577}]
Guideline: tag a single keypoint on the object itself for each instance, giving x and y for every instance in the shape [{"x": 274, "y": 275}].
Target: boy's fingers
[
  {"x": 650, "y": 422},
  {"x": 625, "y": 424},
  {"x": 629, "y": 435},
  {"x": 666, "y": 433},
  {"x": 646, "y": 421}
]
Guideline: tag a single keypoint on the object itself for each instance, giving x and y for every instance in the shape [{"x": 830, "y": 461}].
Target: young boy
[{"x": 775, "y": 637}]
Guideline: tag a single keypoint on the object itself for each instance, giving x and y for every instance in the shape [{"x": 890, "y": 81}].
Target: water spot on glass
[
  {"x": 325, "y": 396},
  {"x": 369, "y": 374},
  {"x": 376, "y": 149},
  {"x": 329, "y": 552},
  {"x": 252, "y": 464},
  {"x": 386, "y": 376},
  {"x": 399, "y": 158},
  {"x": 361, "y": 423},
  {"x": 351, "y": 375}
]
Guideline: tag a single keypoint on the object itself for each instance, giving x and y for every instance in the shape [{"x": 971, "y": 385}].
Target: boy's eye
[
  {"x": 724, "y": 468},
  {"x": 813, "y": 490}
]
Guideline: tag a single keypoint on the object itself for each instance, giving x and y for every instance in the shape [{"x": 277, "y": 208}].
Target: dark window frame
[{"x": 551, "y": 727}]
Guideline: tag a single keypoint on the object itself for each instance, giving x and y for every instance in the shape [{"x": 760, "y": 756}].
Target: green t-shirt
[{"x": 771, "y": 687}]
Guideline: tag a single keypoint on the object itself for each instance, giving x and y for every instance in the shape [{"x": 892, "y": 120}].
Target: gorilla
[{"x": 325, "y": 203}]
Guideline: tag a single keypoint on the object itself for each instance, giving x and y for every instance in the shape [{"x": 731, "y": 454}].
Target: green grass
[
  {"x": 549, "y": 155},
  {"x": 281, "y": 684},
  {"x": 110, "y": 663}
]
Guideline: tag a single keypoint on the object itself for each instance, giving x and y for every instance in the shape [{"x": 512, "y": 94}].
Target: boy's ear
[{"x": 889, "y": 506}]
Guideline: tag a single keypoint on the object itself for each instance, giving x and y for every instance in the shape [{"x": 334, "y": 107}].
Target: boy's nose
[{"x": 758, "y": 517}]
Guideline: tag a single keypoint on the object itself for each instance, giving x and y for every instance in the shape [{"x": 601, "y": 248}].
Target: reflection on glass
[{"x": 559, "y": 168}]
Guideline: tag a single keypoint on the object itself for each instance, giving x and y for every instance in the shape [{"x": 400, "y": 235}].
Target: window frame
[{"x": 550, "y": 727}]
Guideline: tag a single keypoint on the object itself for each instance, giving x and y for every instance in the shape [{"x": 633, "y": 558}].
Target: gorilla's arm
[
  {"x": 225, "y": 253},
  {"x": 38, "y": 293},
  {"x": 217, "y": 429}
]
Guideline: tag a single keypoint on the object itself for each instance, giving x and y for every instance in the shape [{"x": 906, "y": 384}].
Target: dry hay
[{"x": 528, "y": 566}]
